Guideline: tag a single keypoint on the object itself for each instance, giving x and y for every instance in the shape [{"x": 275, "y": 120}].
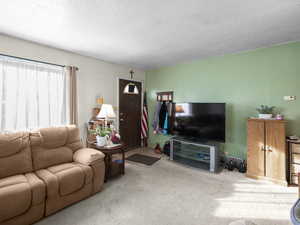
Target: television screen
[{"x": 204, "y": 121}]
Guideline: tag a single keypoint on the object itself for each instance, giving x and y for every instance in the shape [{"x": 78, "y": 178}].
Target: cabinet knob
[{"x": 269, "y": 149}]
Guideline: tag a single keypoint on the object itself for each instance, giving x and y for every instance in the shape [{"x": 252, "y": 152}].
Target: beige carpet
[{"x": 168, "y": 193}]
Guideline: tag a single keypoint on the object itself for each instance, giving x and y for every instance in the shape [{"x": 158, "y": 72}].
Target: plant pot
[
  {"x": 265, "y": 116},
  {"x": 101, "y": 141}
]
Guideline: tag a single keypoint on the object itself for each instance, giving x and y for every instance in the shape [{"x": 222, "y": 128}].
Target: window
[{"x": 32, "y": 95}]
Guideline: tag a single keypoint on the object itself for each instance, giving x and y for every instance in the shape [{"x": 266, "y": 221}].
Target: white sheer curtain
[{"x": 32, "y": 95}]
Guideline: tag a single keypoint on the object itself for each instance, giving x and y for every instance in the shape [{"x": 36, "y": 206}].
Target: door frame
[{"x": 118, "y": 99}]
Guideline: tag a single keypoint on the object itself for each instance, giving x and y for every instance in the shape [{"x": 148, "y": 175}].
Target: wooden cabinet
[
  {"x": 266, "y": 157},
  {"x": 256, "y": 155}
]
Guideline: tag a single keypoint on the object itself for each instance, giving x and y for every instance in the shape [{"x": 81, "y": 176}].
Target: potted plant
[
  {"x": 265, "y": 112},
  {"x": 102, "y": 135}
]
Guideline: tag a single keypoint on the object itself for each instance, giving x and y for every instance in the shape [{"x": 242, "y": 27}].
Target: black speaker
[
  {"x": 230, "y": 165},
  {"x": 242, "y": 167}
]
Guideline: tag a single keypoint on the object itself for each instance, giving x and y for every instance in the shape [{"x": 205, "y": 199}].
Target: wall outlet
[{"x": 289, "y": 98}]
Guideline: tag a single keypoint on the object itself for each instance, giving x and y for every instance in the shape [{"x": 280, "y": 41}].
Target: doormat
[{"x": 144, "y": 159}]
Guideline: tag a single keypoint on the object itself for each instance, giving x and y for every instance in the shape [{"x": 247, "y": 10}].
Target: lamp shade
[{"x": 106, "y": 111}]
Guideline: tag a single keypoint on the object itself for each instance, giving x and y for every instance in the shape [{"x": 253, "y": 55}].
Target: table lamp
[{"x": 106, "y": 112}]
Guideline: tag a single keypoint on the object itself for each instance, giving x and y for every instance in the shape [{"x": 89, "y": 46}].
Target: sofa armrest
[{"x": 88, "y": 156}]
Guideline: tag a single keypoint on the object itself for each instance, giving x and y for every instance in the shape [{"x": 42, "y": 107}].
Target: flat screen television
[{"x": 203, "y": 121}]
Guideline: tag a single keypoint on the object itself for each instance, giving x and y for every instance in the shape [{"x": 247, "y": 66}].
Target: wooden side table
[{"x": 112, "y": 168}]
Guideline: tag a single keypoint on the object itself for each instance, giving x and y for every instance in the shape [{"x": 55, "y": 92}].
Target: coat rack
[{"x": 166, "y": 96}]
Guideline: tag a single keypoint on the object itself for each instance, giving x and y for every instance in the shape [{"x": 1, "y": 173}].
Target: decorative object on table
[
  {"x": 131, "y": 88},
  {"x": 144, "y": 159},
  {"x": 157, "y": 149},
  {"x": 265, "y": 112},
  {"x": 91, "y": 127},
  {"x": 115, "y": 137},
  {"x": 279, "y": 117},
  {"x": 101, "y": 141},
  {"x": 103, "y": 118},
  {"x": 102, "y": 135},
  {"x": 112, "y": 167}
]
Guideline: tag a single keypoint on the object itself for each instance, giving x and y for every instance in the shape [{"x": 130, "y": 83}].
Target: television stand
[{"x": 195, "y": 154}]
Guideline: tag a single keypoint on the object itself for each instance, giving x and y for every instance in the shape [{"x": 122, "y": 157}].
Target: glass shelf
[
  {"x": 191, "y": 151},
  {"x": 195, "y": 154},
  {"x": 192, "y": 157}
]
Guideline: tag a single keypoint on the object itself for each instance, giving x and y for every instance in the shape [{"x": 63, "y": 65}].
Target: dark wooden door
[{"x": 130, "y": 111}]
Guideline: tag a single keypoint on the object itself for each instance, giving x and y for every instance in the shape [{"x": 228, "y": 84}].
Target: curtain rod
[{"x": 32, "y": 60}]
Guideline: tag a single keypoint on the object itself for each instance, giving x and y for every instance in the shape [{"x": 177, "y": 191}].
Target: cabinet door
[
  {"x": 275, "y": 150},
  {"x": 256, "y": 144}
]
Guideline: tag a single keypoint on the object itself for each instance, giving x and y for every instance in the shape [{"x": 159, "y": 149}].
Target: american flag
[{"x": 144, "y": 133}]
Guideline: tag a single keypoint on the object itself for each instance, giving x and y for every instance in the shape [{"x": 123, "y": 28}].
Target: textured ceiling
[{"x": 152, "y": 33}]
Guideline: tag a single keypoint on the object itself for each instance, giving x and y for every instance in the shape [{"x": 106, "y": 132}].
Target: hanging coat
[
  {"x": 166, "y": 125},
  {"x": 162, "y": 115},
  {"x": 155, "y": 122}
]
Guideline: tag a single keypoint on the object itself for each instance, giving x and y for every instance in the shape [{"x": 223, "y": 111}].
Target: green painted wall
[{"x": 244, "y": 81}]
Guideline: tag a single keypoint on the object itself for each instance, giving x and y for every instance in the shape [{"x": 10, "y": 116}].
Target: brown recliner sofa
[
  {"x": 44, "y": 171},
  {"x": 22, "y": 193}
]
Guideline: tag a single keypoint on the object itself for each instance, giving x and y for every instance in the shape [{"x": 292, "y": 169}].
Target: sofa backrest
[
  {"x": 53, "y": 146},
  {"x": 15, "y": 154}
]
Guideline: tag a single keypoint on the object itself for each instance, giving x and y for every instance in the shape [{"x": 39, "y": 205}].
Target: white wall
[{"x": 95, "y": 77}]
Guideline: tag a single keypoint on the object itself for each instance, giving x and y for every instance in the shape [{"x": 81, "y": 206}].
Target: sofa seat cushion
[
  {"x": 65, "y": 179},
  {"x": 15, "y": 196}
]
